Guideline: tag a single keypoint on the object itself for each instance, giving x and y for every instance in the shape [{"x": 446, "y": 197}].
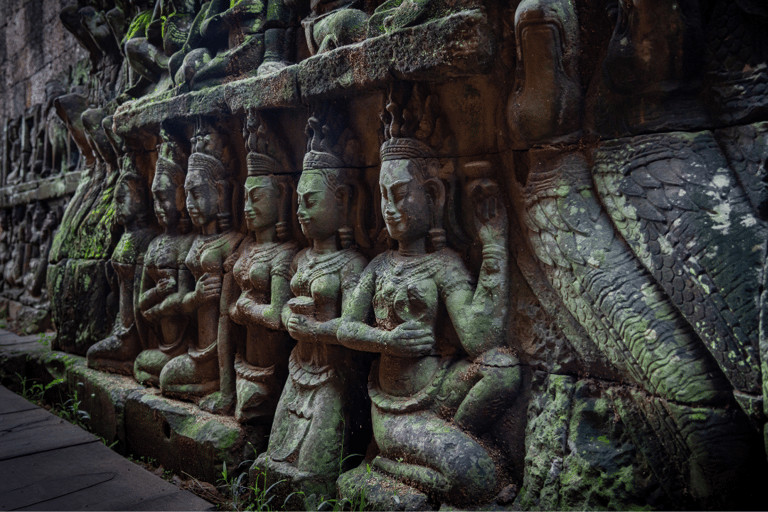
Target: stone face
[{"x": 413, "y": 254}]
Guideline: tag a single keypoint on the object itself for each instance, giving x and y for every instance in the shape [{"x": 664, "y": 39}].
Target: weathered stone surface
[
  {"x": 617, "y": 152},
  {"x": 370, "y": 490},
  {"x": 579, "y": 456},
  {"x": 182, "y": 437},
  {"x": 460, "y": 47},
  {"x": 103, "y": 397}
]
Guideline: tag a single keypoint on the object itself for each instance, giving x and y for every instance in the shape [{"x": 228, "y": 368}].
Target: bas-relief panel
[{"x": 535, "y": 282}]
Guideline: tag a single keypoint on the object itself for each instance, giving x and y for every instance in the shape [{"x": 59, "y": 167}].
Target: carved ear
[
  {"x": 344, "y": 199},
  {"x": 436, "y": 192}
]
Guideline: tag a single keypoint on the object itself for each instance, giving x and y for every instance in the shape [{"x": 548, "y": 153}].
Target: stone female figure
[
  {"x": 312, "y": 428},
  {"x": 423, "y": 371},
  {"x": 117, "y": 352},
  {"x": 259, "y": 285},
  {"x": 209, "y": 187},
  {"x": 166, "y": 280}
]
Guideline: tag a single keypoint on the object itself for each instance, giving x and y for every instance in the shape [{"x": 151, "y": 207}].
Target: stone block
[
  {"x": 27, "y": 318},
  {"x": 181, "y": 437},
  {"x": 458, "y": 45},
  {"x": 367, "y": 489},
  {"x": 103, "y": 397}
]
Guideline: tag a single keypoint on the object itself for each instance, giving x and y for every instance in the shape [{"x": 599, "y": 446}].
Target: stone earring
[
  {"x": 437, "y": 238},
  {"x": 346, "y": 237}
]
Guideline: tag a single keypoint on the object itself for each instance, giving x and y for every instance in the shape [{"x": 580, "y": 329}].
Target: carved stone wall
[
  {"x": 38, "y": 160},
  {"x": 433, "y": 252}
]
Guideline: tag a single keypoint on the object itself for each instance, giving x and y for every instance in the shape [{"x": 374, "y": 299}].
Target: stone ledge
[
  {"x": 46, "y": 188},
  {"x": 137, "y": 420},
  {"x": 458, "y": 45}
]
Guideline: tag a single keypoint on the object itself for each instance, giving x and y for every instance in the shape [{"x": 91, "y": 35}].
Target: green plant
[
  {"x": 45, "y": 339},
  {"x": 70, "y": 411},
  {"x": 31, "y": 389}
]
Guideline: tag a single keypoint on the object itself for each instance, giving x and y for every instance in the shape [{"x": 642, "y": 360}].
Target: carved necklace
[{"x": 316, "y": 266}]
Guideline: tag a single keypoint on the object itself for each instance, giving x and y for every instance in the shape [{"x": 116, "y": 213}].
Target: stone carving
[
  {"x": 209, "y": 187},
  {"x": 235, "y": 40},
  {"x": 423, "y": 372},
  {"x": 658, "y": 198},
  {"x": 77, "y": 276},
  {"x": 44, "y": 222},
  {"x": 333, "y": 23},
  {"x": 258, "y": 285},
  {"x": 543, "y": 106},
  {"x": 90, "y": 26},
  {"x": 57, "y": 155},
  {"x": 16, "y": 143},
  {"x": 313, "y": 432},
  {"x": 166, "y": 280},
  {"x": 619, "y": 361},
  {"x": 736, "y": 72},
  {"x": 118, "y": 352},
  {"x": 153, "y": 37},
  {"x": 657, "y": 274}
]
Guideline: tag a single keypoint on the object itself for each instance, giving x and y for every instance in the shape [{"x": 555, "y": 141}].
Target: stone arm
[
  {"x": 173, "y": 304},
  {"x": 205, "y": 289},
  {"x": 479, "y": 317},
  {"x": 308, "y": 328},
  {"x": 268, "y": 315},
  {"x": 406, "y": 340},
  {"x": 151, "y": 293}
]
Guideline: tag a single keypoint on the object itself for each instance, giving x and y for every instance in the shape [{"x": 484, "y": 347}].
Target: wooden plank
[
  {"x": 11, "y": 402},
  {"x": 35, "y": 431},
  {"x": 89, "y": 476}
]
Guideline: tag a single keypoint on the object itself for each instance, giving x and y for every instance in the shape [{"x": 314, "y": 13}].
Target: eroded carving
[
  {"x": 258, "y": 285},
  {"x": 166, "y": 280},
  {"x": 118, "y": 352},
  {"x": 313, "y": 426},
  {"x": 423, "y": 381},
  {"x": 209, "y": 188}
]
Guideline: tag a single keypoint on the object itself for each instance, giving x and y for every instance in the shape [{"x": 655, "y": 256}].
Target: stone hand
[
  {"x": 166, "y": 286},
  {"x": 237, "y": 311},
  {"x": 410, "y": 339},
  {"x": 490, "y": 214},
  {"x": 208, "y": 288},
  {"x": 300, "y": 326}
]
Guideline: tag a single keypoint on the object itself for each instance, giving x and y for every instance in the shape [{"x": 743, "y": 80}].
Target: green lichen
[{"x": 139, "y": 24}]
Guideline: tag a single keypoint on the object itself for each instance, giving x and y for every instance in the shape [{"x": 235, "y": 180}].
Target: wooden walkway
[{"x": 47, "y": 463}]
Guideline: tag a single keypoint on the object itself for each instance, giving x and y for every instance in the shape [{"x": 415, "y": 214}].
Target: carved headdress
[
  {"x": 330, "y": 151},
  {"x": 207, "y": 152},
  {"x": 172, "y": 162},
  {"x": 326, "y": 147},
  {"x": 208, "y": 157},
  {"x": 266, "y": 157},
  {"x": 410, "y": 119}
]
